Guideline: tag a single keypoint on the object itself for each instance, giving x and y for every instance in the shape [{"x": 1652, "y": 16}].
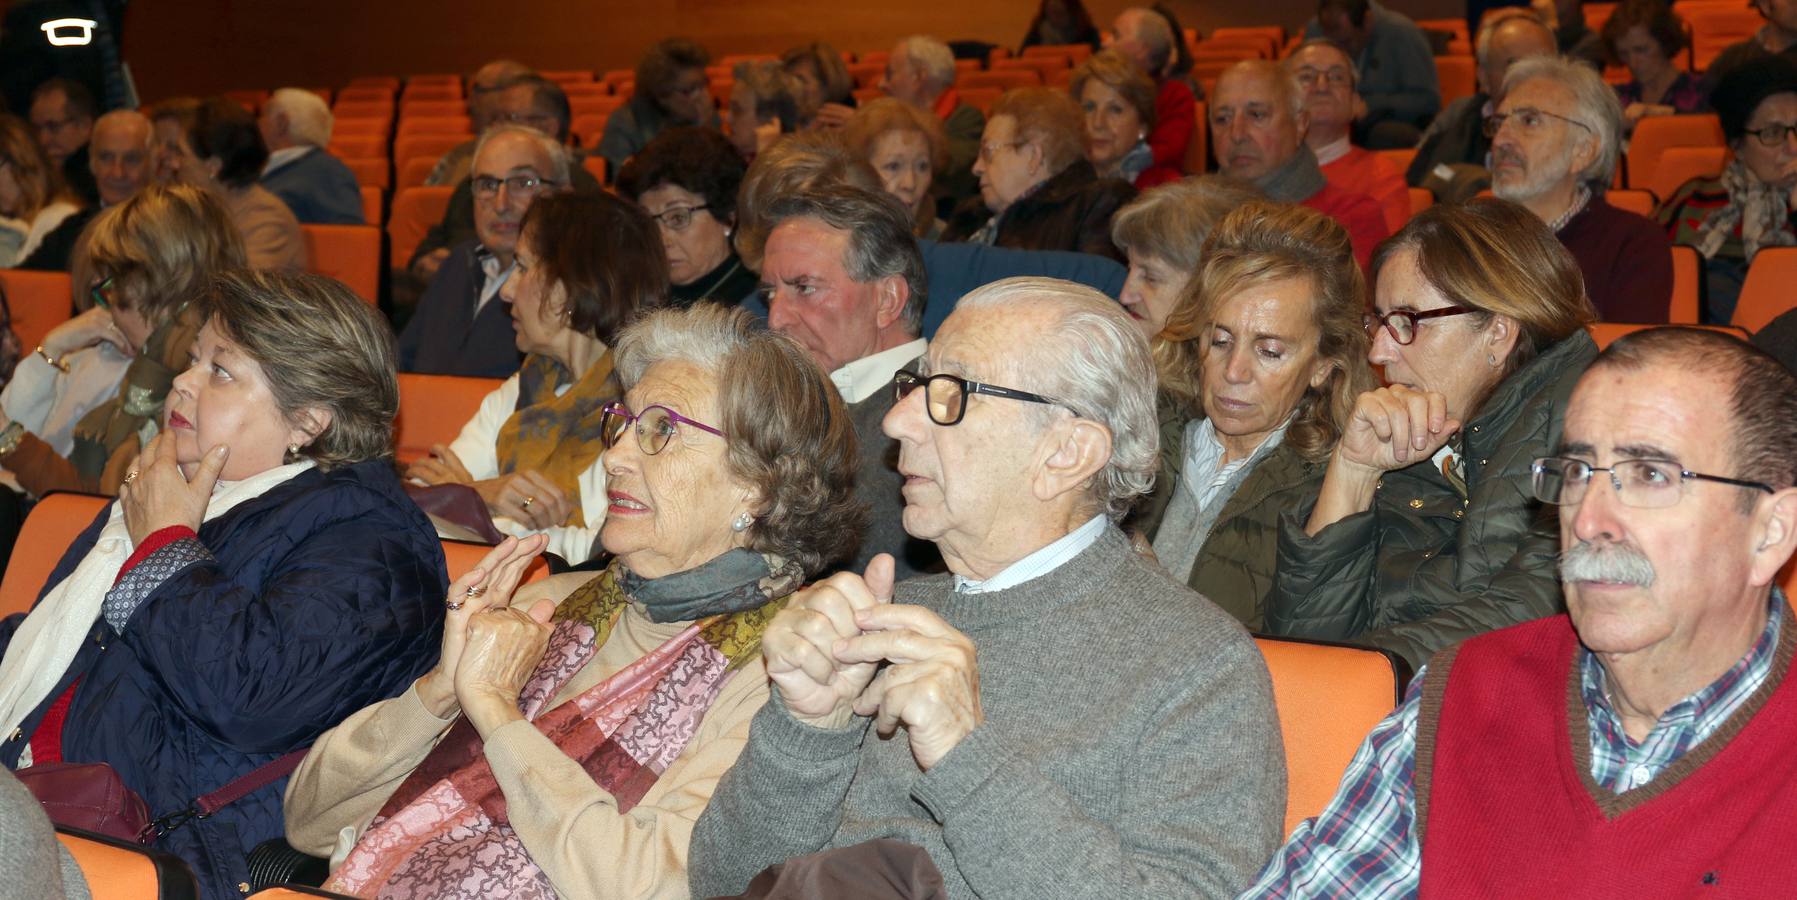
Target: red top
[
  {"x": 1359, "y": 214},
  {"x": 1362, "y": 171},
  {"x": 946, "y": 103},
  {"x": 1175, "y": 118},
  {"x": 1504, "y": 777}
]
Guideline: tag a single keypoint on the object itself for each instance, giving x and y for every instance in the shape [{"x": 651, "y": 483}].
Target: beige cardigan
[{"x": 569, "y": 824}]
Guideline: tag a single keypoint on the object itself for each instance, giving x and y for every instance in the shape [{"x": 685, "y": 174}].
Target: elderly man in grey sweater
[{"x": 1057, "y": 716}]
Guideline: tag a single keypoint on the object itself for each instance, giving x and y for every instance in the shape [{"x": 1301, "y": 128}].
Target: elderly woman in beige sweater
[{"x": 566, "y": 742}]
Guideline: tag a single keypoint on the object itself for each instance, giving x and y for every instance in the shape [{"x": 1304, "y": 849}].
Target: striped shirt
[{"x": 1363, "y": 845}]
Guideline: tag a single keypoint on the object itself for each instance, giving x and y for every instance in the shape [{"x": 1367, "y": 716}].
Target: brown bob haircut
[{"x": 604, "y": 253}]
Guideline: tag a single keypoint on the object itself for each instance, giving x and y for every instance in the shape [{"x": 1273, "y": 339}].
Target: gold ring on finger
[{"x": 527, "y": 502}]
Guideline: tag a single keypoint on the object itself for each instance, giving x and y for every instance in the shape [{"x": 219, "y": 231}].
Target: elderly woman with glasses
[
  {"x": 1424, "y": 531},
  {"x": 687, "y": 180},
  {"x": 1753, "y": 203},
  {"x": 572, "y": 734},
  {"x": 585, "y": 263}
]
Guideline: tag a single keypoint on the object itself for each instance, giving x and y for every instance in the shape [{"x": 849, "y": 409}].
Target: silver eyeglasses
[{"x": 1640, "y": 483}]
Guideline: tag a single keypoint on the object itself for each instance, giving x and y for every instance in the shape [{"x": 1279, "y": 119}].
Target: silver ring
[
  {"x": 527, "y": 502},
  {"x": 453, "y": 606},
  {"x": 130, "y": 477},
  {"x": 474, "y": 591}
]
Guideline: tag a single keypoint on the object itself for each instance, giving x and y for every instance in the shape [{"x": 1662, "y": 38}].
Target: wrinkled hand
[
  {"x": 427, "y": 265},
  {"x": 832, "y": 115},
  {"x": 799, "y": 644},
  {"x": 1393, "y": 427},
  {"x": 496, "y": 578},
  {"x": 932, "y": 686},
  {"x": 86, "y": 330},
  {"x": 501, "y": 648},
  {"x": 161, "y": 496},
  {"x": 442, "y": 466},
  {"x": 527, "y": 497}
]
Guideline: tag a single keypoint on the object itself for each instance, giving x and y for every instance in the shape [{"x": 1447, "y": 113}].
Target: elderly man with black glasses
[
  {"x": 1639, "y": 744},
  {"x": 460, "y": 326},
  {"x": 1061, "y": 717},
  {"x": 1554, "y": 143}
]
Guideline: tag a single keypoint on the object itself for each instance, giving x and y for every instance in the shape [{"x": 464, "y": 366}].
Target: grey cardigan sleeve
[{"x": 782, "y": 799}]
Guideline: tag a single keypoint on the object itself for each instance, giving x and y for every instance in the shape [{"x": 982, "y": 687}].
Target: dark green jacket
[
  {"x": 1234, "y": 568},
  {"x": 1424, "y": 568}
]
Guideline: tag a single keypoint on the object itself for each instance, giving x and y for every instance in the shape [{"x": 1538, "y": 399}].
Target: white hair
[
  {"x": 1096, "y": 361},
  {"x": 1595, "y": 107},
  {"x": 309, "y": 120},
  {"x": 706, "y": 335},
  {"x": 1155, "y": 34},
  {"x": 931, "y": 57},
  {"x": 558, "y": 154}
]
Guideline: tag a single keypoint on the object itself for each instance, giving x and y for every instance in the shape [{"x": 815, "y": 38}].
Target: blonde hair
[
  {"x": 39, "y": 180},
  {"x": 1049, "y": 119},
  {"x": 161, "y": 247},
  {"x": 1263, "y": 241},
  {"x": 1120, "y": 74},
  {"x": 878, "y": 118}
]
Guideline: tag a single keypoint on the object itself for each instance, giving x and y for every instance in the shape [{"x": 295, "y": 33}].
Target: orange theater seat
[
  {"x": 363, "y": 109},
  {"x": 1045, "y": 67},
  {"x": 594, "y": 105},
  {"x": 1002, "y": 79},
  {"x": 461, "y": 556},
  {"x": 355, "y": 146},
  {"x": 1767, "y": 292},
  {"x": 365, "y": 95},
  {"x": 595, "y": 166},
  {"x": 1640, "y": 203},
  {"x": 430, "y": 146},
  {"x": 1456, "y": 74},
  {"x": 568, "y": 77},
  {"x": 361, "y": 128},
  {"x": 385, "y": 82},
  {"x": 370, "y": 172},
  {"x": 1197, "y": 159},
  {"x": 53, "y": 525},
  {"x": 415, "y": 210},
  {"x": 1073, "y": 53},
  {"x": 1687, "y": 272},
  {"x": 1420, "y": 199},
  {"x": 588, "y": 130},
  {"x": 445, "y": 106},
  {"x": 433, "y": 409},
  {"x": 1655, "y": 134},
  {"x": 371, "y": 205},
  {"x": 349, "y": 253},
  {"x": 39, "y": 302},
  {"x": 119, "y": 870},
  {"x": 979, "y": 98},
  {"x": 456, "y": 124},
  {"x": 1329, "y": 696},
  {"x": 416, "y": 171},
  {"x": 867, "y": 75},
  {"x": 1681, "y": 164}
]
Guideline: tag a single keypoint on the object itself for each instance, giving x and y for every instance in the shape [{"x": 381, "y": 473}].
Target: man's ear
[
  {"x": 1072, "y": 452},
  {"x": 894, "y": 291},
  {"x": 1775, "y": 535}
]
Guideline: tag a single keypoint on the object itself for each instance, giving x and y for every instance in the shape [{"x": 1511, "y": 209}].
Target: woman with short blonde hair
[{"x": 906, "y": 147}]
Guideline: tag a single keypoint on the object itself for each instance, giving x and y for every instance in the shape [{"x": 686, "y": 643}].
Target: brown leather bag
[{"x": 89, "y": 796}]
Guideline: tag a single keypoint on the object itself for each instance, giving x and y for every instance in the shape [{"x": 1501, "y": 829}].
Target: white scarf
[{"x": 46, "y": 642}]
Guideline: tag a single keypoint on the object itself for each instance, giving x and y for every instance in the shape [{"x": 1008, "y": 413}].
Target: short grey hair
[
  {"x": 1170, "y": 222},
  {"x": 309, "y": 120},
  {"x": 881, "y": 244},
  {"x": 1095, "y": 360},
  {"x": 559, "y": 165},
  {"x": 1596, "y": 107},
  {"x": 931, "y": 56},
  {"x": 1155, "y": 34}
]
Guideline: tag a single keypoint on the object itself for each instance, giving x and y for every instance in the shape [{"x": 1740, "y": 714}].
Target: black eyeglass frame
[
  {"x": 1538, "y": 466},
  {"x": 905, "y": 381}
]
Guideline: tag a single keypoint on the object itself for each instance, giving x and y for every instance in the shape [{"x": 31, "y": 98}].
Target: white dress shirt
[
  {"x": 868, "y": 375},
  {"x": 1041, "y": 562}
]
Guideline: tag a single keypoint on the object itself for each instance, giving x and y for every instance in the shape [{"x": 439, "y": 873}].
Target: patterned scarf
[
  {"x": 1754, "y": 207},
  {"x": 557, "y": 436},
  {"x": 445, "y": 832},
  {"x": 135, "y": 414}
]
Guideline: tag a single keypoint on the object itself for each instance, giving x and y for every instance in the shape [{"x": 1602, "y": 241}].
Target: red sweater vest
[{"x": 1506, "y": 805}]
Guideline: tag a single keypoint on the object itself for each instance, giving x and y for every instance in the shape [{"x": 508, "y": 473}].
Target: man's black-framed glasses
[
  {"x": 1640, "y": 483},
  {"x": 945, "y": 395},
  {"x": 1401, "y": 323}
]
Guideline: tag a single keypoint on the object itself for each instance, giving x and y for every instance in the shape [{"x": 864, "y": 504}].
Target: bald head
[
  {"x": 119, "y": 154},
  {"x": 1514, "y": 37},
  {"x": 1258, "y": 117}
]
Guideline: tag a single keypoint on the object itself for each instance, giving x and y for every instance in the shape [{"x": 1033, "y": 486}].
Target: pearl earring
[{"x": 742, "y": 522}]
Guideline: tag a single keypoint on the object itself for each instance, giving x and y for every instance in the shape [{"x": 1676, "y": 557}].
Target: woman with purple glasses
[{"x": 572, "y": 734}]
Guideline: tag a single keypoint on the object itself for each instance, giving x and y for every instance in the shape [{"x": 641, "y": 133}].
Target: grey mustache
[{"x": 1616, "y": 563}]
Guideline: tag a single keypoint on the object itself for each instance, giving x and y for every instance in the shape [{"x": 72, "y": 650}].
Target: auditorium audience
[
  {"x": 671, "y": 90},
  {"x": 586, "y": 263},
  {"x": 1647, "y": 37},
  {"x": 687, "y": 179},
  {"x": 1555, "y": 140},
  {"x": 79, "y": 410},
  {"x": 842, "y": 277},
  {"x": 1729, "y": 217},
  {"x": 568, "y": 743},
  {"x": 821, "y": 85},
  {"x": 906, "y": 146},
  {"x": 1037, "y": 191},
  {"x": 763, "y": 106},
  {"x": 921, "y": 72},
  {"x": 1397, "y": 68},
  {"x": 1639, "y": 744},
  {"x": 1162, "y": 233},
  {"x": 1048, "y": 763},
  {"x": 484, "y": 87},
  {"x": 122, "y": 156},
  {"x": 1153, "y": 42},
  {"x": 1423, "y": 533},
  {"x": 1059, "y": 23},
  {"x": 1117, "y": 98},
  {"x": 1452, "y": 154},
  {"x": 218, "y": 147},
  {"x": 458, "y": 329},
  {"x": 1327, "y": 80},
  {"x": 63, "y": 111},
  {"x": 260, "y": 577},
  {"x": 1778, "y": 37},
  {"x": 1258, "y": 120},
  {"x": 1260, "y": 367},
  {"x": 316, "y": 186},
  {"x": 33, "y": 199}
]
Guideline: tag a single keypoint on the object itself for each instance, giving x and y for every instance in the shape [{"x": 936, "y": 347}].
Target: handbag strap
[{"x": 236, "y": 789}]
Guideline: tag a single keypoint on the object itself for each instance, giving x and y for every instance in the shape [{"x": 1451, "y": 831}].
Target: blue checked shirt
[{"x": 1363, "y": 845}]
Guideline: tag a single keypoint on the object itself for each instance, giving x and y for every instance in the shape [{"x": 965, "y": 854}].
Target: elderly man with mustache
[{"x": 1639, "y": 744}]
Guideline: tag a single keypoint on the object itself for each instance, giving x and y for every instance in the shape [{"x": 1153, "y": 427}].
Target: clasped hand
[
  {"x": 1395, "y": 426},
  {"x": 842, "y": 647},
  {"x": 490, "y": 648},
  {"x": 526, "y": 497}
]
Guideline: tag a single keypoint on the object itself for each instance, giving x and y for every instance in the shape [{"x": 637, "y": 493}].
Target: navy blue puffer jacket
[{"x": 326, "y": 595}]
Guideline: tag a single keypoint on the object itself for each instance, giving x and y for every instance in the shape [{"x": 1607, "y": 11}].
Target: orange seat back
[
  {"x": 415, "y": 210},
  {"x": 1002, "y": 79},
  {"x": 1329, "y": 696},
  {"x": 430, "y": 146},
  {"x": 117, "y": 870},
  {"x": 358, "y": 146},
  {"x": 979, "y": 98},
  {"x": 357, "y": 127},
  {"x": 1456, "y": 74},
  {"x": 349, "y": 253},
  {"x": 433, "y": 409},
  {"x": 410, "y": 125},
  {"x": 1073, "y": 53},
  {"x": 1197, "y": 159},
  {"x": 369, "y": 171},
  {"x": 1767, "y": 292},
  {"x": 1655, "y": 134},
  {"x": 53, "y": 525},
  {"x": 1687, "y": 273},
  {"x": 416, "y": 171},
  {"x": 588, "y": 130},
  {"x": 1639, "y": 202},
  {"x": 595, "y": 166},
  {"x": 371, "y": 205},
  {"x": 39, "y": 302},
  {"x": 461, "y": 556},
  {"x": 594, "y": 105},
  {"x": 1681, "y": 164},
  {"x": 386, "y": 83}
]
